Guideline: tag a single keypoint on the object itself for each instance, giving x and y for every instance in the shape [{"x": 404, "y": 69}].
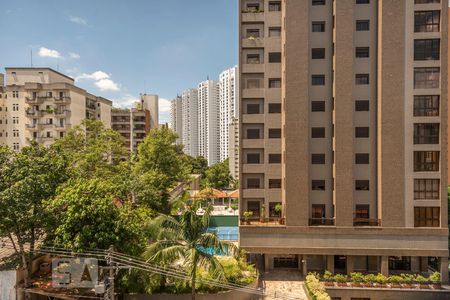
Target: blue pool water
[{"x": 226, "y": 233}]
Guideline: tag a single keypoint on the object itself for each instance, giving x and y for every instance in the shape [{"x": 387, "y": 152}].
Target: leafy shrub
[
  {"x": 395, "y": 279},
  {"x": 316, "y": 288},
  {"x": 370, "y": 278},
  {"x": 357, "y": 277},
  {"x": 328, "y": 276},
  {"x": 340, "y": 278},
  {"x": 435, "y": 277},
  {"x": 420, "y": 279},
  {"x": 407, "y": 278},
  {"x": 381, "y": 279}
]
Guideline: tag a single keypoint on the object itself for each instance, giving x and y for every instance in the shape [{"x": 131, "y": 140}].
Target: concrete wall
[
  {"x": 387, "y": 294},
  {"x": 7, "y": 285}
]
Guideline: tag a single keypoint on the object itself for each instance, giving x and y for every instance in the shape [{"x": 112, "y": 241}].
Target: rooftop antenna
[{"x": 31, "y": 57}]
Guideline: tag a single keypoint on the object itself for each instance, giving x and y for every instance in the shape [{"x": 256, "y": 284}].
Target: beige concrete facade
[
  {"x": 41, "y": 104},
  {"x": 341, "y": 104}
]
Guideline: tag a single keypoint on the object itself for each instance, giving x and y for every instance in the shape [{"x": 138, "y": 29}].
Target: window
[
  {"x": 427, "y": 49},
  {"x": 426, "y": 106},
  {"x": 274, "y": 6},
  {"x": 254, "y": 207},
  {"x": 362, "y": 185},
  {"x": 318, "y": 132},
  {"x": 253, "y": 33},
  {"x": 48, "y": 134},
  {"x": 362, "y": 52},
  {"x": 272, "y": 212},
  {"x": 318, "y": 26},
  {"x": 253, "y": 58},
  {"x": 426, "y": 1},
  {"x": 16, "y": 146},
  {"x": 318, "y": 159},
  {"x": 15, "y": 94},
  {"x": 362, "y": 158},
  {"x": 253, "y": 133},
  {"x": 317, "y": 106},
  {"x": 361, "y": 79},
  {"x": 318, "y": 53},
  {"x": 274, "y": 108},
  {"x": 426, "y": 216},
  {"x": 426, "y": 189},
  {"x": 274, "y": 31},
  {"x": 362, "y": 105},
  {"x": 426, "y": 161},
  {"x": 362, "y": 211},
  {"x": 426, "y": 133},
  {"x": 253, "y": 7},
  {"x": 253, "y": 83},
  {"x": 15, "y": 120},
  {"x": 253, "y": 109},
  {"x": 253, "y": 158},
  {"x": 274, "y": 83},
  {"x": 318, "y": 2},
  {"x": 318, "y": 211},
  {"x": 318, "y": 79},
  {"x": 274, "y": 158},
  {"x": 426, "y": 78},
  {"x": 274, "y": 57},
  {"x": 362, "y": 25},
  {"x": 361, "y": 132},
  {"x": 274, "y": 133},
  {"x": 15, "y": 107},
  {"x": 253, "y": 183},
  {"x": 427, "y": 21},
  {"x": 318, "y": 185},
  {"x": 362, "y": 1},
  {"x": 274, "y": 183},
  {"x": 61, "y": 134},
  {"x": 15, "y": 133}
]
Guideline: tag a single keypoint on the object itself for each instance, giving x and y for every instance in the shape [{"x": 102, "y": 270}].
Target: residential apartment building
[
  {"x": 233, "y": 149},
  {"x": 176, "y": 117},
  {"x": 343, "y": 113},
  {"x": 134, "y": 124},
  {"x": 189, "y": 103},
  {"x": 42, "y": 104},
  {"x": 208, "y": 121},
  {"x": 228, "y": 107}
]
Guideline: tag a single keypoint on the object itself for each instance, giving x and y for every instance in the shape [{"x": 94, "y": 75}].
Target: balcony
[
  {"x": 32, "y": 127},
  {"x": 321, "y": 222},
  {"x": 259, "y": 222},
  {"x": 366, "y": 222},
  {"x": 252, "y": 16},
  {"x": 62, "y": 113},
  {"x": 62, "y": 100},
  {"x": 252, "y": 42},
  {"x": 35, "y": 100},
  {"x": 253, "y": 68},
  {"x": 252, "y": 118},
  {"x": 32, "y": 113}
]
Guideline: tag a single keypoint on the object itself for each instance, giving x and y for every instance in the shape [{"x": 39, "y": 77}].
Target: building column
[
  {"x": 444, "y": 269},
  {"x": 330, "y": 263},
  {"x": 415, "y": 264},
  {"x": 385, "y": 265},
  {"x": 304, "y": 265},
  {"x": 266, "y": 263},
  {"x": 424, "y": 264},
  {"x": 350, "y": 262}
]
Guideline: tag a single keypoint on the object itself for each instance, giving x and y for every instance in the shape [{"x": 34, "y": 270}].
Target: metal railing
[
  {"x": 321, "y": 222},
  {"x": 256, "y": 221},
  {"x": 366, "y": 222}
]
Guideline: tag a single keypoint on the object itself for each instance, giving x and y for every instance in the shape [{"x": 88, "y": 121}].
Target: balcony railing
[
  {"x": 321, "y": 222},
  {"x": 31, "y": 126},
  {"x": 366, "y": 222},
  {"x": 62, "y": 99},
  {"x": 255, "y": 221},
  {"x": 32, "y": 100}
]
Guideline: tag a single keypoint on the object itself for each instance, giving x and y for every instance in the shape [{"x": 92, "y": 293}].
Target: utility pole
[{"x": 109, "y": 294}]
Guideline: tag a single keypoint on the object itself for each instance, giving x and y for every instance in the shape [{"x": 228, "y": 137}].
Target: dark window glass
[
  {"x": 426, "y": 161},
  {"x": 427, "y": 21},
  {"x": 362, "y": 1},
  {"x": 253, "y": 58},
  {"x": 318, "y": 26},
  {"x": 426, "y": 1},
  {"x": 274, "y": 133},
  {"x": 274, "y": 158},
  {"x": 253, "y": 158},
  {"x": 426, "y": 217},
  {"x": 362, "y": 25},
  {"x": 253, "y": 183},
  {"x": 426, "y": 106},
  {"x": 318, "y": 159},
  {"x": 361, "y": 132},
  {"x": 253, "y": 133},
  {"x": 275, "y": 83},
  {"x": 362, "y": 185},
  {"x": 253, "y": 7},
  {"x": 426, "y": 189},
  {"x": 362, "y": 52},
  {"x": 426, "y": 78},
  {"x": 318, "y": 53},
  {"x": 318, "y": 79},
  {"x": 361, "y": 79},
  {"x": 362, "y": 158},
  {"x": 317, "y": 106},
  {"x": 274, "y": 108},
  {"x": 275, "y": 6},
  {"x": 253, "y": 33},
  {"x": 318, "y": 211},
  {"x": 318, "y": 185},
  {"x": 318, "y": 132},
  {"x": 253, "y": 108},
  {"x": 426, "y": 133},
  {"x": 318, "y": 2},
  {"x": 255, "y": 208},
  {"x": 362, "y": 105},
  {"x": 272, "y": 212},
  {"x": 274, "y": 183},
  {"x": 275, "y": 57},
  {"x": 362, "y": 211},
  {"x": 274, "y": 31},
  {"x": 427, "y": 49}
]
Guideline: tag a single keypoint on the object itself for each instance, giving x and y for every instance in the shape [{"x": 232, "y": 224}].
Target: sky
[{"x": 119, "y": 49}]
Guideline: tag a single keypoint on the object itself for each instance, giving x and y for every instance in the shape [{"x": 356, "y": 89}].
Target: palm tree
[{"x": 188, "y": 241}]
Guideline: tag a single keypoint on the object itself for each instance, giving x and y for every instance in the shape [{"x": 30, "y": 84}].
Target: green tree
[
  {"x": 218, "y": 176},
  {"x": 27, "y": 179},
  {"x": 197, "y": 165},
  {"x": 92, "y": 214},
  {"x": 187, "y": 240}
]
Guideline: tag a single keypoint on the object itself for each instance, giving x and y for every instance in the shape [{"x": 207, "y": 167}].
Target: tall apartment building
[
  {"x": 176, "y": 117},
  {"x": 189, "y": 100},
  {"x": 134, "y": 124},
  {"x": 343, "y": 114},
  {"x": 42, "y": 104},
  {"x": 208, "y": 121},
  {"x": 233, "y": 149},
  {"x": 228, "y": 107}
]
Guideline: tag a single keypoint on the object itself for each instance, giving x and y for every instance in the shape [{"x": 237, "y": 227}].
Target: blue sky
[{"x": 121, "y": 48}]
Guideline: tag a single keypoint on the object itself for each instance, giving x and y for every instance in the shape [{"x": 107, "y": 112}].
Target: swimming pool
[{"x": 226, "y": 233}]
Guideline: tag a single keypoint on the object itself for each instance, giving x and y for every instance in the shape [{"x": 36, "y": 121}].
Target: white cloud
[
  {"x": 107, "y": 85},
  {"x": 126, "y": 101},
  {"x": 98, "y": 75},
  {"x": 45, "y": 52},
  {"x": 74, "y": 55},
  {"x": 77, "y": 20},
  {"x": 164, "y": 105}
]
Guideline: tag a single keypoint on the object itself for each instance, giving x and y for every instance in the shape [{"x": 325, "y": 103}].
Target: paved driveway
[{"x": 283, "y": 285}]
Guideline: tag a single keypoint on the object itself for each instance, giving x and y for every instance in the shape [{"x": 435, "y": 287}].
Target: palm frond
[
  {"x": 213, "y": 265},
  {"x": 169, "y": 254}
]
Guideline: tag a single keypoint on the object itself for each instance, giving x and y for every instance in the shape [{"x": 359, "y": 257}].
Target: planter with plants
[
  {"x": 247, "y": 215},
  {"x": 263, "y": 214},
  {"x": 278, "y": 210}
]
